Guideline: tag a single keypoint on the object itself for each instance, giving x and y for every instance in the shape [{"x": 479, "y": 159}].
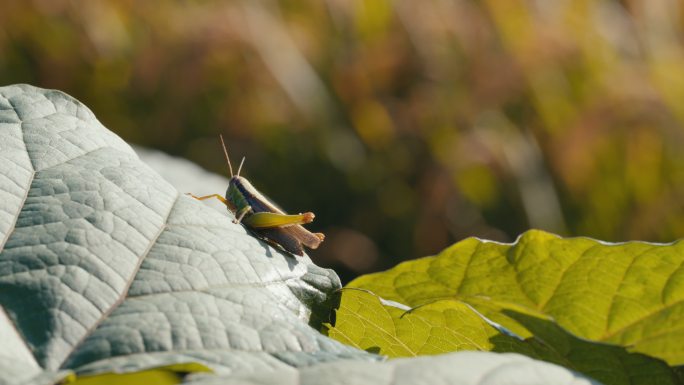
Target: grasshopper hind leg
[{"x": 241, "y": 214}]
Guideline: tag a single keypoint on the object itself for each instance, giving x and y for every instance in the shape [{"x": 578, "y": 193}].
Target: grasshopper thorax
[
  {"x": 235, "y": 194},
  {"x": 241, "y": 194}
]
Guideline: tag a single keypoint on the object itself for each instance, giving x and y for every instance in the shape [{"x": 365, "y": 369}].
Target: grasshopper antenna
[
  {"x": 225, "y": 152},
  {"x": 240, "y": 168}
]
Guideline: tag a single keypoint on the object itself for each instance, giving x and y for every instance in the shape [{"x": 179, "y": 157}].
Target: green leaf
[
  {"x": 369, "y": 322},
  {"x": 628, "y": 294},
  {"x": 580, "y": 303},
  {"x": 365, "y": 322}
]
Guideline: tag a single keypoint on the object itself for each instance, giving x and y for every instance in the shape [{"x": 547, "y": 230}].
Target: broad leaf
[
  {"x": 628, "y": 294},
  {"x": 464, "y": 368},
  {"x": 369, "y": 322},
  {"x": 104, "y": 266},
  {"x": 365, "y": 322}
]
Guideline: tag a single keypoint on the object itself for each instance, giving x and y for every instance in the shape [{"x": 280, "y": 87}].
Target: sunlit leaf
[
  {"x": 106, "y": 269},
  {"x": 629, "y": 294},
  {"x": 462, "y": 368},
  {"x": 598, "y": 308},
  {"x": 371, "y": 323}
]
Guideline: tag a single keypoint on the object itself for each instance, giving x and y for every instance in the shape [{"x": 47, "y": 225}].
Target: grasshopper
[{"x": 263, "y": 217}]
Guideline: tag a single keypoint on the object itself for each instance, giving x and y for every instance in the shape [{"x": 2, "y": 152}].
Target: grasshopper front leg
[
  {"x": 238, "y": 216},
  {"x": 265, "y": 220},
  {"x": 217, "y": 196}
]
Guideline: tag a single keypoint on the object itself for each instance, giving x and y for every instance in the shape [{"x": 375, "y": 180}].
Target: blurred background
[{"x": 404, "y": 125}]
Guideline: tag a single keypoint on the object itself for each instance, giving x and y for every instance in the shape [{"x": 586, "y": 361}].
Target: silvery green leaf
[
  {"x": 104, "y": 266},
  {"x": 463, "y": 368}
]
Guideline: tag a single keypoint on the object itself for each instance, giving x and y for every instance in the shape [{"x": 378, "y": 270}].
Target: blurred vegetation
[{"x": 404, "y": 125}]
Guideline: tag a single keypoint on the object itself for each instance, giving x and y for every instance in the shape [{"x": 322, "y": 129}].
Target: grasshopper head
[{"x": 237, "y": 193}]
